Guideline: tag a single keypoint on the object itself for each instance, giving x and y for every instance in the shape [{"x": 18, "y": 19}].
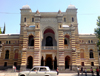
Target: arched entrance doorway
[
  {"x": 55, "y": 63},
  {"x": 49, "y": 62},
  {"x": 67, "y": 61},
  {"x": 42, "y": 61},
  {"x": 29, "y": 62}
]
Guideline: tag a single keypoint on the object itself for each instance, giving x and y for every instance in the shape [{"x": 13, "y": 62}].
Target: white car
[{"x": 38, "y": 71}]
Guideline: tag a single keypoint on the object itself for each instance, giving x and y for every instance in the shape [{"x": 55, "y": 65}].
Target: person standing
[
  {"x": 97, "y": 71},
  {"x": 13, "y": 68},
  {"x": 78, "y": 69},
  {"x": 57, "y": 71},
  {"x": 92, "y": 71},
  {"x": 82, "y": 71},
  {"x": 85, "y": 71}
]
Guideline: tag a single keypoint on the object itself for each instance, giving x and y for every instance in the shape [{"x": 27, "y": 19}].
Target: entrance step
[{"x": 67, "y": 71}]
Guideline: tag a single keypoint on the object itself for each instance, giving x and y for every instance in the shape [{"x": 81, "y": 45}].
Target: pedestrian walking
[
  {"x": 92, "y": 71},
  {"x": 78, "y": 70},
  {"x": 14, "y": 68},
  {"x": 82, "y": 71},
  {"x": 97, "y": 71},
  {"x": 57, "y": 71},
  {"x": 85, "y": 71}
]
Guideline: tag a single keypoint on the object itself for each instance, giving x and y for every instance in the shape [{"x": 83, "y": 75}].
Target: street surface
[{"x": 60, "y": 74}]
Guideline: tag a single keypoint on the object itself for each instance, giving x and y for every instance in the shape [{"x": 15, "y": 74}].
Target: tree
[
  {"x": 97, "y": 30},
  {"x": 4, "y": 29},
  {"x": 0, "y": 31}
]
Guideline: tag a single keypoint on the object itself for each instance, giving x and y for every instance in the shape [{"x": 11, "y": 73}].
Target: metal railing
[
  {"x": 49, "y": 47},
  {"x": 30, "y": 47}
]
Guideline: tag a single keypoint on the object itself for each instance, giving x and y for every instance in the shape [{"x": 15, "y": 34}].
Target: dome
[
  {"x": 71, "y": 7},
  {"x": 26, "y": 7}
]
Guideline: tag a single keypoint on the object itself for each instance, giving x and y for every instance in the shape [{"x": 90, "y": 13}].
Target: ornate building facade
[{"x": 48, "y": 39}]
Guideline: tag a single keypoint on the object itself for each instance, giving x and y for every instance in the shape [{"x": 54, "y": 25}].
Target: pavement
[
  {"x": 11, "y": 73},
  {"x": 61, "y": 74}
]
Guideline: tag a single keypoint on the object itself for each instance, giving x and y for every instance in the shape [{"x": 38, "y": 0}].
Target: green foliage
[
  {"x": 4, "y": 29},
  {"x": 98, "y": 43},
  {"x": 97, "y": 30},
  {"x": 0, "y": 31}
]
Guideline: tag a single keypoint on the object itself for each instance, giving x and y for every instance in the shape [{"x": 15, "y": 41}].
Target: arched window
[
  {"x": 60, "y": 26},
  {"x": 25, "y": 19},
  {"x": 65, "y": 42},
  {"x": 82, "y": 63},
  {"x": 64, "y": 19},
  {"x": 82, "y": 54},
  {"x": 9, "y": 42},
  {"x": 92, "y": 63},
  {"x": 91, "y": 54},
  {"x": 49, "y": 41},
  {"x": 5, "y": 64},
  {"x": 88, "y": 41},
  {"x": 6, "y": 42},
  {"x": 32, "y": 19},
  {"x": 7, "y": 54},
  {"x": 91, "y": 41},
  {"x": 37, "y": 26},
  {"x": 72, "y": 19},
  {"x": 16, "y": 54},
  {"x": 0, "y": 42},
  {"x": 31, "y": 41}
]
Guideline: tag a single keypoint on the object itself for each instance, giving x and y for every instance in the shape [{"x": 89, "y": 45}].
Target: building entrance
[
  {"x": 67, "y": 60},
  {"x": 49, "y": 61},
  {"x": 29, "y": 62}
]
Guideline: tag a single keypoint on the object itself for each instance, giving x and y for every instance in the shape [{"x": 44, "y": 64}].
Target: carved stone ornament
[
  {"x": 66, "y": 33},
  {"x": 31, "y": 33}
]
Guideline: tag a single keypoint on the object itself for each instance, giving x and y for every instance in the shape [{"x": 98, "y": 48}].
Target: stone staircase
[{"x": 67, "y": 71}]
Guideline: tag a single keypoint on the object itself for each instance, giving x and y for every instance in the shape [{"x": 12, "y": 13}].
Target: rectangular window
[
  {"x": 82, "y": 63},
  {"x": 5, "y": 64},
  {"x": 92, "y": 63}
]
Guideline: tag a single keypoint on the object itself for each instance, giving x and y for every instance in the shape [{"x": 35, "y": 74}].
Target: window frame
[
  {"x": 64, "y": 19},
  {"x": 91, "y": 54},
  {"x": 25, "y": 19},
  {"x": 32, "y": 19},
  {"x": 92, "y": 63},
  {"x": 72, "y": 19},
  {"x": 7, "y": 54}
]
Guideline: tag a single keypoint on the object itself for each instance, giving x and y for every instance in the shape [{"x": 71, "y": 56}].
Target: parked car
[{"x": 38, "y": 71}]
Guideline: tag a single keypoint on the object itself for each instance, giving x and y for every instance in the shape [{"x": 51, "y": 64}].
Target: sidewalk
[{"x": 61, "y": 74}]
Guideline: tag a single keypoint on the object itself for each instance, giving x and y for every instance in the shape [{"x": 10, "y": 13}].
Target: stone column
[
  {"x": 53, "y": 64},
  {"x": 44, "y": 62}
]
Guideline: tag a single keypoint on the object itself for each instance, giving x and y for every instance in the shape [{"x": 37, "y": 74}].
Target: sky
[{"x": 87, "y": 12}]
